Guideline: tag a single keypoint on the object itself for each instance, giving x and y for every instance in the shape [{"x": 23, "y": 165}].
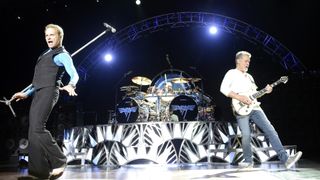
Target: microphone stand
[
  {"x": 87, "y": 44},
  {"x": 8, "y": 103},
  {"x": 169, "y": 62}
]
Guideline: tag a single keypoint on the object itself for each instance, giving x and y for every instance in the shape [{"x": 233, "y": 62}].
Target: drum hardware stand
[
  {"x": 8, "y": 103},
  {"x": 111, "y": 117},
  {"x": 202, "y": 104},
  {"x": 158, "y": 106},
  {"x": 116, "y": 93}
]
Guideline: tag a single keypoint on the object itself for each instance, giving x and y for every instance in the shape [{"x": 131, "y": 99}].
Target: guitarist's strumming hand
[
  {"x": 246, "y": 100},
  {"x": 242, "y": 98}
]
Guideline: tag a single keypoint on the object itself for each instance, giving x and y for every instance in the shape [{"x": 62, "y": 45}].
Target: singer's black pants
[{"x": 44, "y": 152}]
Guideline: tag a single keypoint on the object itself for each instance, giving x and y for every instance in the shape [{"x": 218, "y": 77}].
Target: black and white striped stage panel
[{"x": 162, "y": 143}]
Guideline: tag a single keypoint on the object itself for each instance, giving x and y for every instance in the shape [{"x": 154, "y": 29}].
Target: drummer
[
  {"x": 167, "y": 93},
  {"x": 166, "y": 90}
]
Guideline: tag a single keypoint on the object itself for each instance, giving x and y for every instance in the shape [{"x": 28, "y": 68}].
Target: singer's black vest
[{"x": 47, "y": 73}]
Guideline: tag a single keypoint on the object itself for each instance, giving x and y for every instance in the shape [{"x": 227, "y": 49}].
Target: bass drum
[
  {"x": 131, "y": 110},
  {"x": 184, "y": 107}
]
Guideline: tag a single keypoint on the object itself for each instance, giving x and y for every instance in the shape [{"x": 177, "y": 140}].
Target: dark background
[{"x": 292, "y": 108}]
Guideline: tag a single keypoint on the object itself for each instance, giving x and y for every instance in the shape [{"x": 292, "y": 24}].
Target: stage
[
  {"x": 304, "y": 169},
  {"x": 184, "y": 142}
]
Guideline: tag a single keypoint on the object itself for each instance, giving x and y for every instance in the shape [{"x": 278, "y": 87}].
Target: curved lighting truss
[{"x": 186, "y": 19}]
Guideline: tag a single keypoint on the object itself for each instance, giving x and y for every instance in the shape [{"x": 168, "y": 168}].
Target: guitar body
[{"x": 242, "y": 109}]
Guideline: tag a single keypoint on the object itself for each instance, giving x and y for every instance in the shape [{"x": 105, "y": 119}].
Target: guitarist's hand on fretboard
[{"x": 268, "y": 88}]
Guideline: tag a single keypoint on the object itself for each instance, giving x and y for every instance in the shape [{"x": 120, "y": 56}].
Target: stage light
[
  {"x": 138, "y": 2},
  {"x": 213, "y": 30},
  {"x": 108, "y": 57}
]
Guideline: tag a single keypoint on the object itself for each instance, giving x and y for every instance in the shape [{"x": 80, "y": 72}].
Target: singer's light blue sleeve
[
  {"x": 64, "y": 59},
  {"x": 28, "y": 90}
]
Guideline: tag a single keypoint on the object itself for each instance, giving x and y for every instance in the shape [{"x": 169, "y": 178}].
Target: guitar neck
[{"x": 264, "y": 90}]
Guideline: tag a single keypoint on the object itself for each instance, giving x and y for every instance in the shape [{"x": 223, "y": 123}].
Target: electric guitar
[{"x": 242, "y": 109}]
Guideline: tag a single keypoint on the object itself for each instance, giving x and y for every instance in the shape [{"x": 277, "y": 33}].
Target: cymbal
[
  {"x": 141, "y": 80},
  {"x": 180, "y": 80},
  {"x": 128, "y": 88},
  {"x": 194, "y": 79}
]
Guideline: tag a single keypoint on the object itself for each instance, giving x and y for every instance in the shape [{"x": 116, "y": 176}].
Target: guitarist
[{"x": 237, "y": 82}]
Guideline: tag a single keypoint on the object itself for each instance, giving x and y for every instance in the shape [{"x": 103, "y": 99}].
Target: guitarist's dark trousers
[
  {"x": 260, "y": 119},
  {"x": 44, "y": 152}
]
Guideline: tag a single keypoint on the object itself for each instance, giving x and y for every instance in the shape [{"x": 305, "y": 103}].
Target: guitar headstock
[{"x": 284, "y": 79}]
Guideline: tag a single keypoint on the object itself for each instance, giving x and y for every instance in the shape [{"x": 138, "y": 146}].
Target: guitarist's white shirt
[{"x": 238, "y": 82}]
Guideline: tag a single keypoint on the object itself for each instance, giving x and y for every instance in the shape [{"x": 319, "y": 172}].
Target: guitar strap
[
  {"x": 251, "y": 79},
  {"x": 254, "y": 87}
]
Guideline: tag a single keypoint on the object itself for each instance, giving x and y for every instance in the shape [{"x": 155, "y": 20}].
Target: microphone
[
  {"x": 113, "y": 30},
  {"x": 168, "y": 60},
  {"x": 128, "y": 73}
]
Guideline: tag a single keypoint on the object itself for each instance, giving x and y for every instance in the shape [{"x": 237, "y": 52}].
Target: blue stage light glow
[
  {"x": 213, "y": 30},
  {"x": 108, "y": 57}
]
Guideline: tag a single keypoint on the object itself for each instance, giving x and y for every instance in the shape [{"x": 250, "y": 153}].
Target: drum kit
[{"x": 165, "y": 101}]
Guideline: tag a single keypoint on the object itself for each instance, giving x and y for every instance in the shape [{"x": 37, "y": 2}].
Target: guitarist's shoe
[
  {"x": 293, "y": 159},
  {"x": 245, "y": 165}
]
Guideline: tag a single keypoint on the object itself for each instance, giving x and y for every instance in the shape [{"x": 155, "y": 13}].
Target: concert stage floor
[{"x": 305, "y": 169}]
